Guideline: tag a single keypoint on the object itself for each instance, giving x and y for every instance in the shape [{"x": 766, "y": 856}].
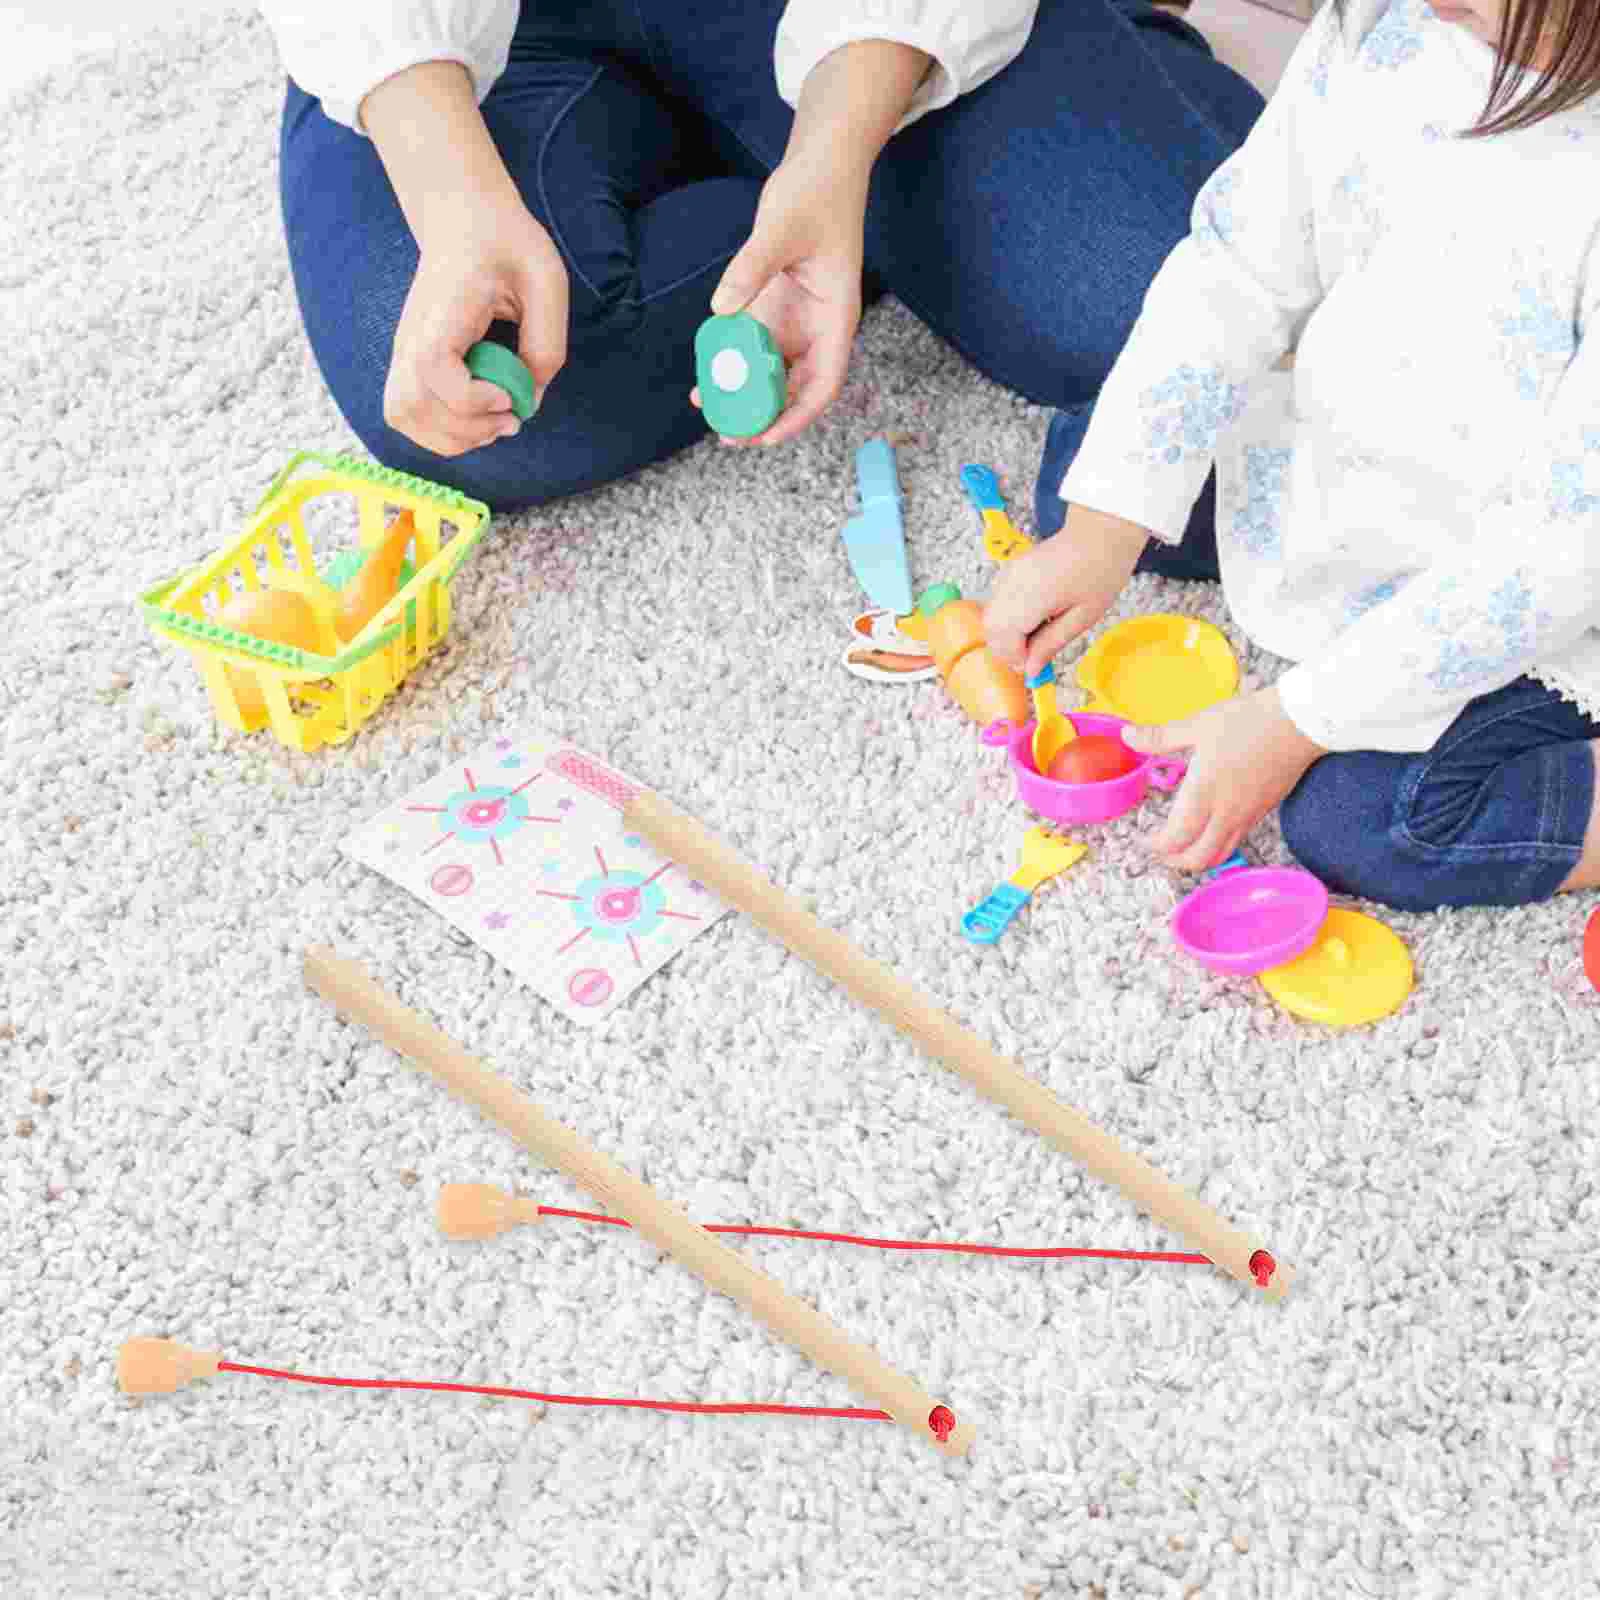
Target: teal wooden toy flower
[{"x": 741, "y": 375}]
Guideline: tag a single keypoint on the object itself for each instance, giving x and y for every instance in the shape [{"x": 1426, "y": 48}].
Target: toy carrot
[{"x": 986, "y": 689}]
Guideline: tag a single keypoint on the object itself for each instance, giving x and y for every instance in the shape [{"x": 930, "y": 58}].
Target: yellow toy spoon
[{"x": 1051, "y": 731}]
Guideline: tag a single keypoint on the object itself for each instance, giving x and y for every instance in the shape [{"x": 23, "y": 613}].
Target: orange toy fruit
[
  {"x": 275, "y": 616},
  {"x": 1591, "y": 950},
  {"x": 374, "y": 586},
  {"x": 1092, "y": 758}
]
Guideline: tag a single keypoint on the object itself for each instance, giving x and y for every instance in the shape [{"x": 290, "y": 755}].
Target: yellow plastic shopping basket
[{"x": 314, "y": 699}]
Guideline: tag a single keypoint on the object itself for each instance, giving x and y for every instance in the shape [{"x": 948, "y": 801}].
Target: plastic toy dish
[
  {"x": 1274, "y": 923},
  {"x": 1248, "y": 920},
  {"x": 1158, "y": 668},
  {"x": 1356, "y": 971},
  {"x": 1081, "y": 802}
]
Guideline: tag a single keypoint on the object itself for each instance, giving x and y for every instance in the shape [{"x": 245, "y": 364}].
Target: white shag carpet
[{"x": 193, "y": 1145}]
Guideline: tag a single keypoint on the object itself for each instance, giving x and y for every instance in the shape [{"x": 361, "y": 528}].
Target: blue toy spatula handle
[
  {"x": 983, "y": 488},
  {"x": 993, "y": 915}
]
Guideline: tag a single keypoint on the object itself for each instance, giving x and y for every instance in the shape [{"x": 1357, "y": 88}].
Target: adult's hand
[
  {"x": 800, "y": 271},
  {"x": 800, "y": 275},
  {"x": 509, "y": 271},
  {"x": 482, "y": 258}
]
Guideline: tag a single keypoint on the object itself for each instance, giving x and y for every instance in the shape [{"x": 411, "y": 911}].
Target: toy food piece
[
  {"x": 1591, "y": 950},
  {"x": 986, "y": 689},
  {"x": 275, "y": 616},
  {"x": 506, "y": 370},
  {"x": 374, "y": 586},
  {"x": 1158, "y": 668},
  {"x": 740, "y": 374},
  {"x": 1092, "y": 759}
]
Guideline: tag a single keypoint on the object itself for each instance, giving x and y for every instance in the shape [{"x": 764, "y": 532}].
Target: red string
[
  {"x": 917, "y": 1244},
  {"x": 936, "y": 1418}
]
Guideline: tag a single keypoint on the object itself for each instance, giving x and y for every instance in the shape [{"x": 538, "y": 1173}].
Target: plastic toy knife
[
  {"x": 875, "y": 541},
  {"x": 1045, "y": 854},
  {"x": 1001, "y": 538}
]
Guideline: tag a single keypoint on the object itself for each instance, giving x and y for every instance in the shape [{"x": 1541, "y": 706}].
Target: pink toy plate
[
  {"x": 1251, "y": 919},
  {"x": 1082, "y": 802}
]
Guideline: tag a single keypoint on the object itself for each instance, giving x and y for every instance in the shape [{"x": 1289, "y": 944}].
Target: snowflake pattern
[
  {"x": 1186, "y": 413},
  {"x": 1478, "y": 643},
  {"x": 1396, "y": 38},
  {"x": 1215, "y": 210},
  {"x": 1537, "y": 339},
  {"x": 1257, "y": 525},
  {"x": 1568, "y": 497},
  {"x": 1358, "y": 605},
  {"x": 1356, "y": 210}
]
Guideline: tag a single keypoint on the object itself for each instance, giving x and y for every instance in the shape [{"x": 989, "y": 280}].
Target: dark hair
[{"x": 1570, "y": 29}]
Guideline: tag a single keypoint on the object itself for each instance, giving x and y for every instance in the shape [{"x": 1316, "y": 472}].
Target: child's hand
[
  {"x": 504, "y": 267},
  {"x": 1246, "y": 757},
  {"x": 800, "y": 275},
  {"x": 1043, "y": 600}
]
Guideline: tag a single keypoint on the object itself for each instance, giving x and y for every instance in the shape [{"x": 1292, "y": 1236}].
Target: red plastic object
[
  {"x": 1591, "y": 950},
  {"x": 1092, "y": 759}
]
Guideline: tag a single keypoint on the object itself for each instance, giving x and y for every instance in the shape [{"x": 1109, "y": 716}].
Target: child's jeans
[
  {"x": 1494, "y": 814},
  {"x": 1023, "y": 223}
]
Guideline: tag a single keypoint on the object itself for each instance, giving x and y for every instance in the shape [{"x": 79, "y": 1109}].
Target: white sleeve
[
  {"x": 1525, "y": 588},
  {"x": 1228, "y": 302},
  {"x": 341, "y": 50},
  {"x": 969, "y": 43}
]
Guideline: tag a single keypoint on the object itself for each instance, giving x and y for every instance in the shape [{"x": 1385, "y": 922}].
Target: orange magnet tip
[
  {"x": 480, "y": 1210},
  {"x": 162, "y": 1366}
]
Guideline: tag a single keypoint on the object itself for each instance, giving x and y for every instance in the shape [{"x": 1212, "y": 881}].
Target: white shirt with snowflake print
[{"x": 1411, "y": 513}]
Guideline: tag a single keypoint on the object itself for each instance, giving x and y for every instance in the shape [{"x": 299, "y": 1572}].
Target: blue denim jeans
[
  {"x": 1494, "y": 814},
  {"x": 1023, "y": 224}
]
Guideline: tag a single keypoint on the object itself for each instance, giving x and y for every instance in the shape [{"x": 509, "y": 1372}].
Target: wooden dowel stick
[
  {"x": 739, "y": 884},
  {"x": 351, "y": 991}
]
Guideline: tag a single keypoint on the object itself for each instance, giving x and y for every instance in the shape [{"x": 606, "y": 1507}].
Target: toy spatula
[
  {"x": 1045, "y": 854},
  {"x": 1002, "y": 539},
  {"x": 875, "y": 541}
]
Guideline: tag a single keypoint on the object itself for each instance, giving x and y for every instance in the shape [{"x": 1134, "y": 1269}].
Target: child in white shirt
[{"x": 1410, "y": 512}]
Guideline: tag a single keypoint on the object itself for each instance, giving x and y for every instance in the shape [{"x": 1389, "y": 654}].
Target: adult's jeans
[{"x": 1023, "y": 223}]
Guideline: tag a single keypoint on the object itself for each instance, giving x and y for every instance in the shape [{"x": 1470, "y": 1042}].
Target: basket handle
[{"x": 283, "y": 476}]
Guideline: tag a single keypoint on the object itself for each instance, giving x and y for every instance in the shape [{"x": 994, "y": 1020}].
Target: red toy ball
[
  {"x": 1591, "y": 950},
  {"x": 1092, "y": 758}
]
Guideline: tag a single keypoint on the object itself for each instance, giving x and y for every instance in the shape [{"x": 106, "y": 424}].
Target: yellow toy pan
[{"x": 1158, "y": 668}]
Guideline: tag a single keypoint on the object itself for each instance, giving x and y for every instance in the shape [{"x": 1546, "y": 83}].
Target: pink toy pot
[{"x": 1082, "y": 802}]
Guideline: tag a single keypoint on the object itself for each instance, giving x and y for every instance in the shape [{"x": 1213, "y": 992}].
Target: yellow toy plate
[
  {"x": 1357, "y": 971},
  {"x": 1158, "y": 668}
]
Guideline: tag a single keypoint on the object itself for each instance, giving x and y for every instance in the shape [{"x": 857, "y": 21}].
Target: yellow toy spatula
[{"x": 1045, "y": 855}]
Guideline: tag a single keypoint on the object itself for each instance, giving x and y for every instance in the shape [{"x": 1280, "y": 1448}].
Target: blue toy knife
[{"x": 875, "y": 541}]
